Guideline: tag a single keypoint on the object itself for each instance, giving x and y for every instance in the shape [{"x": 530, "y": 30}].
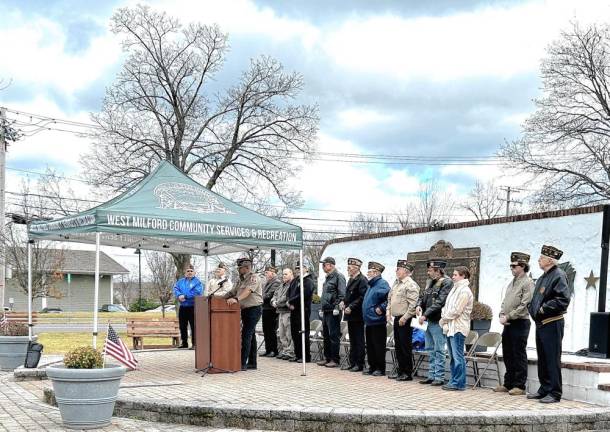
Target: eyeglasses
[{"x": 514, "y": 265}]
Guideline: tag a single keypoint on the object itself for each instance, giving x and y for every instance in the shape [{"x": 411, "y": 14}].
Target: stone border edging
[{"x": 357, "y": 420}]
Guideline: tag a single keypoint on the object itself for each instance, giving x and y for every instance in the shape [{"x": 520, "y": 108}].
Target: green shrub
[
  {"x": 315, "y": 298},
  {"x": 84, "y": 357},
  {"x": 14, "y": 329},
  {"x": 480, "y": 311},
  {"x": 144, "y": 306}
]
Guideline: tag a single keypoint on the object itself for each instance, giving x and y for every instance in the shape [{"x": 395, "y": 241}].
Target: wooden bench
[
  {"x": 139, "y": 328},
  {"x": 22, "y": 317}
]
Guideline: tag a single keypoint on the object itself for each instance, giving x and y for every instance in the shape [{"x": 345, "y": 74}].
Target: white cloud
[
  {"x": 494, "y": 41},
  {"x": 357, "y": 118},
  {"x": 37, "y": 55}
]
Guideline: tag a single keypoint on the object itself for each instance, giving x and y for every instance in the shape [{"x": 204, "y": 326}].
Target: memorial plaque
[{"x": 467, "y": 257}]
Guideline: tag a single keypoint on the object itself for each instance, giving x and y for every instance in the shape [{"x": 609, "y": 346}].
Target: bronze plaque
[{"x": 467, "y": 257}]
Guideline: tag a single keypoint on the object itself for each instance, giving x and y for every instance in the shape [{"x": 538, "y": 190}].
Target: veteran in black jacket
[
  {"x": 549, "y": 304},
  {"x": 294, "y": 304},
  {"x": 352, "y": 314}
]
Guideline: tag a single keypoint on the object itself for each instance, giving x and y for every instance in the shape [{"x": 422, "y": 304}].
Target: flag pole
[{"x": 107, "y": 330}]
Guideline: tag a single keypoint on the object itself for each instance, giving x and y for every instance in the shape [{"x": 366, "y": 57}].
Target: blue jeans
[
  {"x": 457, "y": 363},
  {"x": 435, "y": 343}
]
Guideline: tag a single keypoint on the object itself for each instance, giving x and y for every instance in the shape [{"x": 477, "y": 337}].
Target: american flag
[
  {"x": 3, "y": 321},
  {"x": 116, "y": 348}
]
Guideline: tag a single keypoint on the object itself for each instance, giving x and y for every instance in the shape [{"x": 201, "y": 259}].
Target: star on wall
[{"x": 591, "y": 280}]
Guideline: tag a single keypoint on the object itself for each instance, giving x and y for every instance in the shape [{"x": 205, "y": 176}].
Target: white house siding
[
  {"x": 79, "y": 297},
  {"x": 579, "y": 236}
]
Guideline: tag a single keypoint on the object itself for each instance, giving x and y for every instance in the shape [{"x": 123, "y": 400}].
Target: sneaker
[
  {"x": 437, "y": 383},
  {"x": 427, "y": 381},
  {"x": 378, "y": 373},
  {"x": 267, "y": 354},
  {"x": 346, "y": 367},
  {"x": 516, "y": 392},
  {"x": 548, "y": 399},
  {"x": 500, "y": 389},
  {"x": 331, "y": 364},
  {"x": 404, "y": 377},
  {"x": 393, "y": 375},
  {"x": 535, "y": 396},
  {"x": 281, "y": 356},
  {"x": 322, "y": 362},
  {"x": 356, "y": 369}
]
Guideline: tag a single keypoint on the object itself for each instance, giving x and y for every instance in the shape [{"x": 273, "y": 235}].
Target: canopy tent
[{"x": 170, "y": 212}]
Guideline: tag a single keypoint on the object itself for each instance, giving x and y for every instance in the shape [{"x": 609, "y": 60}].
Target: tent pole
[
  {"x": 30, "y": 288},
  {"x": 205, "y": 268},
  {"x": 97, "y": 287},
  {"x": 302, "y": 312}
]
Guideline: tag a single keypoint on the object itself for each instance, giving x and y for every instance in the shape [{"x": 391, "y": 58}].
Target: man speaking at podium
[{"x": 248, "y": 292}]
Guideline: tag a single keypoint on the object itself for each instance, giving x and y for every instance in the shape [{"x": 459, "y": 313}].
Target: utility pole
[
  {"x": 509, "y": 190},
  {"x": 3, "y": 141}
]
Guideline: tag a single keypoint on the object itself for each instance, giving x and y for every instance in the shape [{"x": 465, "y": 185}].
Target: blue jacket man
[
  {"x": 374, "y": 310},
  {"x": 185, "y": 291}
]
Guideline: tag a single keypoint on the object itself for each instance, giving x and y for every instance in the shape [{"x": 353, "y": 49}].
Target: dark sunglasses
[{"x": 515, "y": 265}]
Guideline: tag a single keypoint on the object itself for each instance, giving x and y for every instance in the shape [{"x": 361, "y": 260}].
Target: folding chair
[
  {"x": 470, "y": 340},
  {"x": 344, "y": 343},
  {"x": 315, "y": 337},
  {"x": 489, "y": 340},
  {"x": 389, "y": 344}
]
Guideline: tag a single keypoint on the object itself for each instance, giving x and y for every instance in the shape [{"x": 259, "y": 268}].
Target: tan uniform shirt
[
  {"x": 403, "y": 297},
  {"x": 518, "y": 296},
  {"x": 254, "y": 284},
  {"x": 213, "y": 285}
]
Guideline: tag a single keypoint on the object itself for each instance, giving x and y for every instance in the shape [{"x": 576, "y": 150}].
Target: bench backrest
[
  {"x": 21, "y": 317},
  {"x": 153, "y": 326}
]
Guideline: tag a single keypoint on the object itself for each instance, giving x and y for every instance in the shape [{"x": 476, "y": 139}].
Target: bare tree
[
  {"x": 159, "y": 109},
  {"x": 163, "y": 272},
  {"x": 47, "y": 262},
  {"x": 565, "y": 143},
  {"x": 126, "y": 288},
  {"x": 483, "y": 201},
  {"x": 433, "y": 206}
]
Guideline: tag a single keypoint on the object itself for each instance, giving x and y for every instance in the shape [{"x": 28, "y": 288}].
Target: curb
[{"x": 297, "y": 419}]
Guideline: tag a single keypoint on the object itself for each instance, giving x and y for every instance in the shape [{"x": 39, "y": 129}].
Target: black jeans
[
  {"x": 249, "y": 318},
  {"x": 548, "y": 347},
  {"x": 270, "y": 330},
  {"x": 514, "y": 345},
  {"x": 186, "y": 317},
  {"x": 355, "y": 330},
  {"x": 403, "y": 346},
  {"x": 331, "y": 332},
  {"x": 375, "y": 346},
  {"x": 295, "y": 331}
]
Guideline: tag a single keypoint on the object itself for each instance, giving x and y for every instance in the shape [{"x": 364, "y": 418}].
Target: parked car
[
  {"x": 113, "y": 308},
  {"x": 51, "y": 310},
  {"x": 168, "y": 308}
]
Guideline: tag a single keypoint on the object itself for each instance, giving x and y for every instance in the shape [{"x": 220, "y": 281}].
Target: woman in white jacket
[{"x": 455, "y": 320}]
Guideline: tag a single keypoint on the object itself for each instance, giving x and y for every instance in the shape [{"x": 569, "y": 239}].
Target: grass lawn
[
  {"x": 86, "y": 317},
  {"x": 60, "y": 343}
]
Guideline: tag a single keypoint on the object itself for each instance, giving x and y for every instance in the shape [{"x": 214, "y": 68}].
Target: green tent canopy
[{"x": 170, "y": 212}]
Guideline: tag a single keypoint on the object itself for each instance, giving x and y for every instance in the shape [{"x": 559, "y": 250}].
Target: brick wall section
[{"x": 470, "y": 224}]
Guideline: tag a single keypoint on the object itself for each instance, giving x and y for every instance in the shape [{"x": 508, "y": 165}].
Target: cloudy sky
[{"x": 443, "y": 79}]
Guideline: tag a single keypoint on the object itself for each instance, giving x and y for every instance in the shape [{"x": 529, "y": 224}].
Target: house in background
[{"x": 73, "y": 276}]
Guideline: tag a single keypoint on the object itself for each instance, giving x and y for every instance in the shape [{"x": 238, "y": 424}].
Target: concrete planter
[
  {"x": 86, "y": 397},
  {"x": 12, "y": 351}
]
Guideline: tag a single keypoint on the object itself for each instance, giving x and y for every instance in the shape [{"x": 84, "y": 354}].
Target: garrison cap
[
  {"x": 376, "y": 266},
  {"x": 551, "y": 252},
  {"x": 436, "y": 263},
  {"x": 354, "y": 261},
  {"x": 405, "y": 264},
  {"x": 519, "y": 257}
]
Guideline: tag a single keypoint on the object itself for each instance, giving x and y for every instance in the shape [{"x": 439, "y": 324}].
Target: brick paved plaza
[{"x": 276, "y": 396}]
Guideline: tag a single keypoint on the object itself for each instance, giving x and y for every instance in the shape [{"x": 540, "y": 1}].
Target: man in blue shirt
[{"x": 185, "y": 291}]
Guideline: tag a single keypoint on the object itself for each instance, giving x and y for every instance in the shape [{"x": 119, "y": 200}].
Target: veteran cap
[
  {"x": 519, "y": 257},
  {"x": 436, "y": 263},
  {"x": 328, "y": 260},
  {"x": 271, "y": 269},
  {"x": 376, "y": 266},
  {"x": 551, "y": 252},
  {"x": 405, "y": 264},
  {"x": 243, "y": 262},
  {"x": 354, "y": 261}
]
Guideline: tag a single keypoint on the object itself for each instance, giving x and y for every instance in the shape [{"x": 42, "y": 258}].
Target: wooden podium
[{"x": 217, "y": 335}]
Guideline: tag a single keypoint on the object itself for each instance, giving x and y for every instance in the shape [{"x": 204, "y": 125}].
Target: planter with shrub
[
  {"x": 315, "y": 307},
  {"x": 480, "y": 319},
  {"x": 14, "y": 343},
  {"x": 85, "y": 390}
]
